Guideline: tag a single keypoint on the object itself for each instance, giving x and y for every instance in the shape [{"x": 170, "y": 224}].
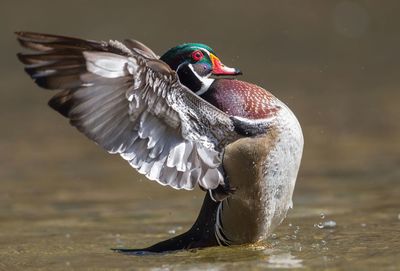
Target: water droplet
[
  {"x": 275, "y": 243},
  {"x": 290, "y": 225},
  {"x": 274, "y": 236},
  {"x": 323, "y": 242},
  {"x": 325, "y": 225},
  {"x": 315, "y": 246},
  {"x": 329, "y": 224},
  {"x": 363, "y": 225},
  {"x": 297, "y": 246},
  {"x": 172, "y": 231},
  {"x": 322, "y": 215}
]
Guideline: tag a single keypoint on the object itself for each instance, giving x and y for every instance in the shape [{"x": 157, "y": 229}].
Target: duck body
[
  {"x": 178, "y": 125},
  {"x": 264, "y": 169},
  {"x": 262, "y": 166}
]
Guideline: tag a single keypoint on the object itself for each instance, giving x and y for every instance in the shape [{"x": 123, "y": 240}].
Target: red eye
[{"x": 197, "y": 55}]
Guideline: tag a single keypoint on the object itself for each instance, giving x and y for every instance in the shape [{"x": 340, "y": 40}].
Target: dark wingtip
[
  {"x": 23, "y": 34},
  {"x": 61, "y": 102},
  {"x": 41, "y": 82},
  {"x": 28, "y": 33},
  {"x": 35, "y": 37},
  {"x": 20, "y": 37},
  {"x": 21, "y": 58}
]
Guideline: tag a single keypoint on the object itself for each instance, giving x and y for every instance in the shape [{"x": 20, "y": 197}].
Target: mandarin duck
[{"x": 174, "y": 120}]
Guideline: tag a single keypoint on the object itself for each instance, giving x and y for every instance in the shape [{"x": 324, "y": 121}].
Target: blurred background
[{"x": 64, "y": 202}]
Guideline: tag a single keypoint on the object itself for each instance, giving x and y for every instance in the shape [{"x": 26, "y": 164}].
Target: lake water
[{"x": 64, "y": 202}]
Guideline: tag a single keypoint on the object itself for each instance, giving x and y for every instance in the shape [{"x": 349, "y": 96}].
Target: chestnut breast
[{"x": 241, "y": 99}]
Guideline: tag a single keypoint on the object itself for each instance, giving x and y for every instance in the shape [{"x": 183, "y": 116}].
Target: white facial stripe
[
  {"x": 208, "y": 53},
  {"x": 201, "y": 49},
  {"x": 205, "y": 81}
]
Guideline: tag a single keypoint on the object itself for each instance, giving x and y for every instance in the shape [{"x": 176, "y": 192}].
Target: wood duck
[{"x": 175, "y": 121}]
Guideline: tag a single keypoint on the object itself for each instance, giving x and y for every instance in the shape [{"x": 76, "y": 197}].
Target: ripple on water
[{"x": 284, "y": 260}]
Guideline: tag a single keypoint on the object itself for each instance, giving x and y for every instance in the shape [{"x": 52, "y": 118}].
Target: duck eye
[{"x": 197, "y": 55}]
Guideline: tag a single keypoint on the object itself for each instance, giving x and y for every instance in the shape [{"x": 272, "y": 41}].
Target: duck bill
[{"x": 220, "y": 69}]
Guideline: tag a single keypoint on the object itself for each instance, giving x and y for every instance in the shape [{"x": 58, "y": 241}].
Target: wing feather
[{"x": 131, "y": 103}]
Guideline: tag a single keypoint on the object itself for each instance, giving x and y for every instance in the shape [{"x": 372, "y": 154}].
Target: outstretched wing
[{"x": 131, "y": 103}]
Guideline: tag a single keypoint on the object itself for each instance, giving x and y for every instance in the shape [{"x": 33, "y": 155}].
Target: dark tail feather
[{"x": 201, "y": 234}]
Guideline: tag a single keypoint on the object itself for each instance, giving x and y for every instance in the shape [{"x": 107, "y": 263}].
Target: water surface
[{"x": 64, "y": 203}]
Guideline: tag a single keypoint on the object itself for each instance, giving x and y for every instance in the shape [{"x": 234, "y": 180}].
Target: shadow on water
[{"x": 64, "y": 203}]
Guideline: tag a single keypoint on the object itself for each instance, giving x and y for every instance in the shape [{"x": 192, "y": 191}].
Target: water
[{"x": 64, "y": 203}]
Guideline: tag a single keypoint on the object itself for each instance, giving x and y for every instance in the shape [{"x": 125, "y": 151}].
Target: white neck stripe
[{"x": 205, "y": 81}]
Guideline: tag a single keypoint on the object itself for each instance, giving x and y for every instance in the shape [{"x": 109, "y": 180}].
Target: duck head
[{"x": 195, "y": 63}]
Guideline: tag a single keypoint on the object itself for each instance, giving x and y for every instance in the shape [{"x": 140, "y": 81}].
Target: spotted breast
[{"x": 241, "y": 99}]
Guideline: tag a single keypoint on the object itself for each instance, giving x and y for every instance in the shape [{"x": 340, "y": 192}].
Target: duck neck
[{"x": 196, "y": 83}]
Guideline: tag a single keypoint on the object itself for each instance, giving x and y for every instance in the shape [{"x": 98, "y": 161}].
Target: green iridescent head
[
  {"x": 194, "y": 63},
  {"x": 201, "y": 57}
]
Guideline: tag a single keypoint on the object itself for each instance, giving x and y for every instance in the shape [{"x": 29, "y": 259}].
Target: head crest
[{"x": 176, "y": 55}]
